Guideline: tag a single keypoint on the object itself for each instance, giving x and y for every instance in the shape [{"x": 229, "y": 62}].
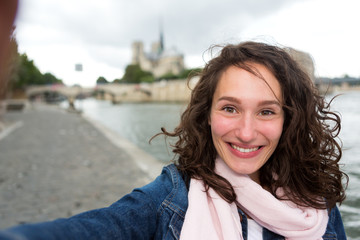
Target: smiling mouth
[{"x": 244, "y": 150}]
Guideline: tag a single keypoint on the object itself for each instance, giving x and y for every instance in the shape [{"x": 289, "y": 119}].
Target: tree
[
  {"x": 169, "y": 76},
  {"x": 134, "y": 74},
  {"x": 117, "y": 80},
  {"x": 101, "y": 80},
  {"x": 346, "y": 76},
  {"x": 51, "y": 79},
  {"x": 28, "y": 73},
  {"x": 22, "y": 71},
  {"x": 189, "y": 72},
  {"x": 183, "y": 75}
]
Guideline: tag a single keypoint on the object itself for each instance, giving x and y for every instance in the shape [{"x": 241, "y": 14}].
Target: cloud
[
  {"x": 325, "y": 29},
  {"x": 187, "y": 24},
  {"x": 101, "y": 32}
]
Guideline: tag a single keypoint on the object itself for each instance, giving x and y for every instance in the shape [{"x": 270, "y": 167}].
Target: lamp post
[{"x": 78, "y": 68}]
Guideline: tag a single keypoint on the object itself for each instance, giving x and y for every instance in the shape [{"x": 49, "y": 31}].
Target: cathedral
[{"x": 159, "y": 61}]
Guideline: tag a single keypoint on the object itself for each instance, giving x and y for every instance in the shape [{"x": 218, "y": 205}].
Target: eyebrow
[{"x": 262, "y": 103}]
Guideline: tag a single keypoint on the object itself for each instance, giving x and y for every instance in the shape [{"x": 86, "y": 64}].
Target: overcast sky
[{"x": 58, "y": 34}]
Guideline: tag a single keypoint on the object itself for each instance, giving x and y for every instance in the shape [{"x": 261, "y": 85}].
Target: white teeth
[{"x": 244, "y": 150}]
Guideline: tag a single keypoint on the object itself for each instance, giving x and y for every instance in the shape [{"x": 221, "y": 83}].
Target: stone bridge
[
  {"x": 58, "y": 92},
  {"x": 163, "y": 91},
  {"x": 171, "y": 90}
]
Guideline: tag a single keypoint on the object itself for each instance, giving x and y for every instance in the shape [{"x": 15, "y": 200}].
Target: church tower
[
  {"x": 162, "y": 46},
  {"x": 160, "y": 61}
]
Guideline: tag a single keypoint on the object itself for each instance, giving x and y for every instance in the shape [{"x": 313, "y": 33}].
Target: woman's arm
[
  {"x": 132, "y": 217},
  {"x": 335, "y": 228}
]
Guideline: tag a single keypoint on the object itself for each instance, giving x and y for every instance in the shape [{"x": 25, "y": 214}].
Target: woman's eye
[
  {"x": 266, "y": 112},
  {"x": 229, "y": 109}
]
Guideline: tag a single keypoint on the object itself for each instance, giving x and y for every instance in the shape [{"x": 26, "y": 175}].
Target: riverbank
[
  {"x": 138, "y": 122},
  {"x": 56, "y": 164}
]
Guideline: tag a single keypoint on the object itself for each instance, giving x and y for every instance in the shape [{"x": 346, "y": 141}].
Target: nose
[{"x": 246, "y": 128}]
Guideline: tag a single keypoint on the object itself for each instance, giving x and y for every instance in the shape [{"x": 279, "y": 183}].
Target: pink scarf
[{"x": 212, "y": 218}]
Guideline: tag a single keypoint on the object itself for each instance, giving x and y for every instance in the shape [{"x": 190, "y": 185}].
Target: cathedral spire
[{"x": 162, "y": 47}]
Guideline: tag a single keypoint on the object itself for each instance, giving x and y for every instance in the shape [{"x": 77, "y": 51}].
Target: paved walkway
[{"x": 56, "y": 164}]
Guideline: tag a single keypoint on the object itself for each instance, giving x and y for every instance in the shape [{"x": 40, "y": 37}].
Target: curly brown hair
[{"x": 306, "y": 160}]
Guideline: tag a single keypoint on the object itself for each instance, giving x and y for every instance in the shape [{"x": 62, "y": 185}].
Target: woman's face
[{"x": 246, "y": 118}]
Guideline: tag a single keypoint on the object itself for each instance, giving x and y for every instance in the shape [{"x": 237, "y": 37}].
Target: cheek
[
  {"x": 220, "y": 125},
  {"x": 273, "y": 131}
]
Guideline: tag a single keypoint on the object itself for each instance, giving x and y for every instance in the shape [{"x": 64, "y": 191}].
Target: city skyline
[{"x": 59, "y": 34}]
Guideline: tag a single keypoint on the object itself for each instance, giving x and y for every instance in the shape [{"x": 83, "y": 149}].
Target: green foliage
[
  {"x": 22, "y": 71},
  {"x": 51, "y": 79},
  {"x": 117, "y": 80},
  {"x": 189, "y": 72},
  {"x": 346, "y": 76},
  {"x": 147, "y": 79},
  {"x": 183, "y": 75},
  {"x": 28, "y": 74},
  {"x": 101, "y": 80},
  {"x": 134, "y": 74},
  {"x": 169, "y": 76}
]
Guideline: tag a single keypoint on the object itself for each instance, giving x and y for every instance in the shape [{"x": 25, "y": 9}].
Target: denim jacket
[{"x": 155, "y": 211}]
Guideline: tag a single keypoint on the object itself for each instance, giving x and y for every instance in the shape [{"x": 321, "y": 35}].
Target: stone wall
[{"x": 163, "y": 91}]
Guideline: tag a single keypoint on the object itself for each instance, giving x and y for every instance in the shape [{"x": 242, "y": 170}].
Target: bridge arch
[{"x": 52, "y": 93}]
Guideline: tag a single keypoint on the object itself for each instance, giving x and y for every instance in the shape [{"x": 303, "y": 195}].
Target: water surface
[{"x": 139, "y": 122}]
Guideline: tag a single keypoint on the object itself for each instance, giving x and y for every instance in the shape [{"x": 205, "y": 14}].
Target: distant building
[
  {"x": 159, "y": 61},
  {"x": 305, "y": 61}
]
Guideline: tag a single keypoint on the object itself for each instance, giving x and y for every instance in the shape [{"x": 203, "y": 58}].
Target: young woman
[{"x": 256, "y": 159}]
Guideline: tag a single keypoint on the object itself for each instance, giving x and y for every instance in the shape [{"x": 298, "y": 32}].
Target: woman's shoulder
[
  {"x": 335, "y": 228},
  {"x": 169, "y": 187}
]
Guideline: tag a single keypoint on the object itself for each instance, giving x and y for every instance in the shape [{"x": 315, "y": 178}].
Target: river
[{"x": 139, "y": 122}]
